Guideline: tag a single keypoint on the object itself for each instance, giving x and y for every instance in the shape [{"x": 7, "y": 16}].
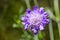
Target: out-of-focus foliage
[{"x": 11, "y": 27}]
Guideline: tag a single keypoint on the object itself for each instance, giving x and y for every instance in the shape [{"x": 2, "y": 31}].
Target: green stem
[
  {"x": 58, "y": 23},
  {"x": 35, "y": 2},
  {"x": 56, "y": 7},
  {"x": 27, "y": 3},
  {"x": 35, "y": 37},
  {"x": 51, "y": 31}
]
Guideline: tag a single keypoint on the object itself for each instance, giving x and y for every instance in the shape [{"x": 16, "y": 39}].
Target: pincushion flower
[{"x": 35, "y": 19}]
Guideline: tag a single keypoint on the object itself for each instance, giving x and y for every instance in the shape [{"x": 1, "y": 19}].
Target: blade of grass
[
  {"x": 56, "y": 7},
  {"x": 27, "y": 3},
  {"x": 58, "y": 23},
  {"x": 50, "y": 24},
  {"x": 51, "y": 31},
  {"x": 35, "y": 2}
]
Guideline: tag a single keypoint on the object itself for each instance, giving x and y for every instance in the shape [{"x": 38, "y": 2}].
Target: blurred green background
[{"x": 11, "y": 27}]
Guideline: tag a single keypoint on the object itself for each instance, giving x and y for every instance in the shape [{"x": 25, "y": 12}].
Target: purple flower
[{"x": 35, "y": 19}]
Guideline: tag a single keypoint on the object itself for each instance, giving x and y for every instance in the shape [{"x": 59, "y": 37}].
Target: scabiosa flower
[{"x": 35, "y": 19}]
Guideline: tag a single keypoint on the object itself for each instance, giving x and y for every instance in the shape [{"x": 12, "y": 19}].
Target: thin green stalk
[
  {"x": 35, "y": 37},
  {"x": 51, "y": 31},
  {"x": 27, "y": 3},
  {"x": 35, "y": 2},
  {"x": 58, "y": 23},
  {"x": 56, "y": 7}
]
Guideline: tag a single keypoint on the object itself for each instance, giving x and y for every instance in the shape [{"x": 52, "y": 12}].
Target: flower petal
[
  {"x": 45, "y": 14},
  {"x": 41, "y": 10},
  {"x": 22, "y": 18},
  {"x": 35, "y": 8},
  {"x": 28, "y": 10},
  {"x": 34, "y": 31},
  {"x": 41, "y": 27},
  {"x": 26, "y": 27},
  {"x": 46, "y": 21},
  {"x": 23, "y": 23}
]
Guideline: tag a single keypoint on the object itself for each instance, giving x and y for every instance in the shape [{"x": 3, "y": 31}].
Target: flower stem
[
  {"x": 58, "y": 23},
  {"x": 51, "y": 31},
  {"x": 27, "y": 3},
  {"x": 35, "y": 2},
  {"x": 56, "y": 7},
  {"x": 35, "y": 37}
]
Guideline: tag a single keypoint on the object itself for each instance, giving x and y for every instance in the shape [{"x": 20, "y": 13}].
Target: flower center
[{"x": 35, "y": 19}]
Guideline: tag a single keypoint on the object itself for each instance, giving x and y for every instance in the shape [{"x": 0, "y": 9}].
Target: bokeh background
[{"x": 11, "y": 27}]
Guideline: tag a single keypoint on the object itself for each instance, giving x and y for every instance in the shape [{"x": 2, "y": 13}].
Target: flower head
[{"x": 35, "y": 19}]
